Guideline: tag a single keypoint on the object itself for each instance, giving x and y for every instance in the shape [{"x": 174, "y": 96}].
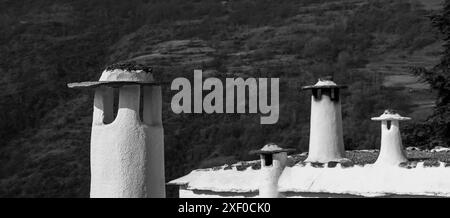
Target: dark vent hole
[
  {"x": 115, "y": 107},
  {"x": 268, "y": 159}
]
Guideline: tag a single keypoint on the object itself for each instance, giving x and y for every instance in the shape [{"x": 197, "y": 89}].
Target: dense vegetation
[
  {"x": 436, "y": 130},
  {"x": 45, "y": 127}
]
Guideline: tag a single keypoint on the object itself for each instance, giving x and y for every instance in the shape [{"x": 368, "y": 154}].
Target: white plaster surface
[
  {"x": 308, "y": 181},
  {"x": 126, "y": 75},
  {"x": 184, "y": 193},
  {"x": 127, "y": 155},
  {"x": 269, "y": 175},
  {"x": 271, "y": 147},
  {"x": 321, "y": 83},
  {"x": 392, "y": 152},
  {"x": 220, "y": 180},
  {"x": 367, "y": 181},
  {"x": 326, "y": 141},
  {"x": 387, "y": 115},
  {"x": 440, "y": 149}
]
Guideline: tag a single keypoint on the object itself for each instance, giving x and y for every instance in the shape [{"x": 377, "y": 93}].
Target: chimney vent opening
[
  {"x": 111, "y": 114},
  {"x": 268, "y": 159},
  {"x": 141, "y": 103}
]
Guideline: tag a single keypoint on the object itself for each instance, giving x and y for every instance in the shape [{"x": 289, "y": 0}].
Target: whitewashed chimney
[
  {"x": 273, "y": 162},
  {"x": 127, "y": 152},
  {"x": 391, "y": 150},
  {"x": 326, "y": 141}
]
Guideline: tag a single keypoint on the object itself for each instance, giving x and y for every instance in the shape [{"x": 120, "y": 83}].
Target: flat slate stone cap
[
  {"x": 324, "y": 83},
  {"x": 120, "y": 74},
  {"x": 271, "y": 149},
  {"x": 390, "y": 115}
]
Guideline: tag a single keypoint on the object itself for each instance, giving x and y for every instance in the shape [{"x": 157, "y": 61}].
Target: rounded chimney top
[
  {"x": 127, "y": 72},
  {"x": 324, "y": 83},
  {"x": 390, "y": 114},
  {"x": 271, "y": 148},
  {"x": 122, "y": 73}
]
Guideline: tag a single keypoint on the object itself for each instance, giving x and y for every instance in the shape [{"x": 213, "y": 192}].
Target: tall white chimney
[
  {"x": 326, "y": 141},
  {"x": 391, "y": 150},
  {"x": 273, "y": 162},
  {"x": 127, "y": 153}
]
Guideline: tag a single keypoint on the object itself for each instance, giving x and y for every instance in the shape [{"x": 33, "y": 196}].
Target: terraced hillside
[{"x": 395, "y": 69}]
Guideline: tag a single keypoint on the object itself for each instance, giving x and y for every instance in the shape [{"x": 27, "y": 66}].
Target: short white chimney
[
  {"x": 127, "y": 152},
  {"x": 391, "y": 150},
  {"x": 326, "y": 142},
  {"x": 273, "y": 162}
]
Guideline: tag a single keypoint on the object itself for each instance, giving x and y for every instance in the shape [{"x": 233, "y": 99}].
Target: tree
[{"x": 439, "y": 79}]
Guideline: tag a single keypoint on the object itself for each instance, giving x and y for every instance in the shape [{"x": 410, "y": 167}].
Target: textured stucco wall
[
  {"x": 391, "y": 150},
  {"x": 127, "y": 155},
  {"x": 368, "y": 181},
  {"x": 268, "y": 187},
  {"x": 185, "y": 193},
  {"x": 326, "y": 141}
]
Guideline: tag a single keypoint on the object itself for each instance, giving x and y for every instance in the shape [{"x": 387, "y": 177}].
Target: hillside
[{"x": 45, "y": 128}]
